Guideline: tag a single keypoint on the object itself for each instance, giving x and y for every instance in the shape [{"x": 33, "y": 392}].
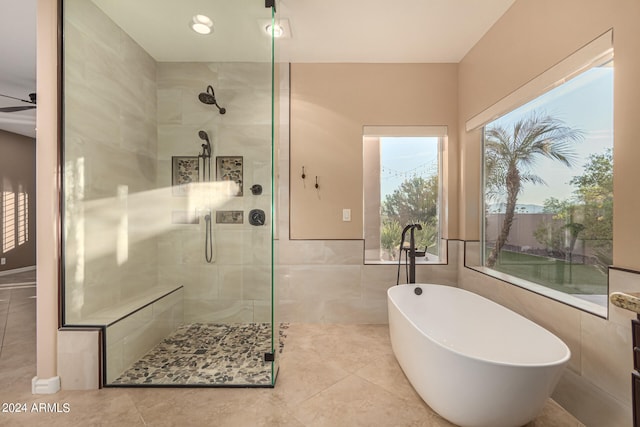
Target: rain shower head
[{"x": 209, "y": 98}]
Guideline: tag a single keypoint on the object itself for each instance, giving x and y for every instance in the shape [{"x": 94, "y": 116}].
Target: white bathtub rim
[{"x": 558, "y": 362}]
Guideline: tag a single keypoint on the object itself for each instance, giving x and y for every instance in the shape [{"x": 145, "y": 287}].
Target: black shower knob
[
  {"x": 256, "y": 189},
  {"x": 257, "y": 217}
]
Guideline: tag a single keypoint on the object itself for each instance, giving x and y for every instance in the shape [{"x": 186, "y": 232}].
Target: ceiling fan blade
[
  {"x": 13, "y": 109},
  {"x": 31, "y": 100}
]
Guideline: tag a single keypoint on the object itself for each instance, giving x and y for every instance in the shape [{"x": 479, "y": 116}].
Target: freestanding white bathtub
[{"x": 475, "y": 362}]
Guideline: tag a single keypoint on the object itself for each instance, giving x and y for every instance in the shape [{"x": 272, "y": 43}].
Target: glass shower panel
[
  {"x": 169, "y": 188},
  {"x": 277, "y": 341}
]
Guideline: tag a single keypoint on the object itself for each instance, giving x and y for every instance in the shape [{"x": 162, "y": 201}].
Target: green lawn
[{"x": 553, "y": 273}]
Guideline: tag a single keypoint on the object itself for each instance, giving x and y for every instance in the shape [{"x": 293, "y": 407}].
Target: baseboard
[
  {"x": 45, "y": 385},
  {"x": 17, "y": 270}
]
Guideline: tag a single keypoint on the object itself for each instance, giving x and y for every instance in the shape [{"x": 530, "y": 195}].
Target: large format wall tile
[
  {"x": 238, "y": 281},
  {"x": 326, "y": 281},
  {"x": 130, "y": 338},
  {"x": 606, "y": 356},
  {"x": 110, "y": 149},
  {"x": 345, "y": 252}
]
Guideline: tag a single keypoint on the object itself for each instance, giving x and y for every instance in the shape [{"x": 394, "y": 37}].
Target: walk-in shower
[{"x": 160, "y": 250}]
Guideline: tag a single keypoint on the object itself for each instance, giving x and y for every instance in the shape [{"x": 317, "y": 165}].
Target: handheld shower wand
[
  {"x": 206, "y": 148},
  {"x": 209, "y": 98},
  {"x": 206, "y": 177},
  {"x": 206, "y": 156}
]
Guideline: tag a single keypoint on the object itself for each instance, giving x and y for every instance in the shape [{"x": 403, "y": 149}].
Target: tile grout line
[
  {"x": 348, "y": 374},
  {"x": 138, "y": 411}
]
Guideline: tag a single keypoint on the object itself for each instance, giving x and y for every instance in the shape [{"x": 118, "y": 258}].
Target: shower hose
[{"x": 208, "y": 240}]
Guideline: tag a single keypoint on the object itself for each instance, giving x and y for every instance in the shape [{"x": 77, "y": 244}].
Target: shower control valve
[{"x": 257, "y": 217}]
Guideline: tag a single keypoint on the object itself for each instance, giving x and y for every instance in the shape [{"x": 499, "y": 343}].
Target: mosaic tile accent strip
[{"x": 207, "y": 354}]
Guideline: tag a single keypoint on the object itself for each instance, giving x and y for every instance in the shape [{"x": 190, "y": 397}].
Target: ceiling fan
[{"x": 32, "y": 101}]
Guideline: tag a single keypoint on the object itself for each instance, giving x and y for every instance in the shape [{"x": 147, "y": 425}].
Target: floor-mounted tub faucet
[{"x": 411, "y": 252}]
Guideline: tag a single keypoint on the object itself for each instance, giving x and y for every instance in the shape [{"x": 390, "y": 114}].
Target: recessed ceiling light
[
  {"x": 281, "y": 28},
  {"x": 201, "y": 24},
  {"x": 277, "y": 30}
]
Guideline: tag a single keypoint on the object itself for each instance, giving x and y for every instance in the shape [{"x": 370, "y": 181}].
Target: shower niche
[{"x": 161, "y": 129}]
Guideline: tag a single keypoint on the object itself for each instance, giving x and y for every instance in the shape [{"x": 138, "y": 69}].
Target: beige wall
[
  {"x": 371, "y": 203},
  {"x": 18, "y": 175},
  {"x": 326, "y": 281},
  {"x": 530, "y": 38},
  {"x": 330, "y": 103}
]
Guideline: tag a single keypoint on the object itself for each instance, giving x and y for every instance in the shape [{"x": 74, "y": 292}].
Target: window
[
  {"x": 402, "y": 167},
  {"x": 15, "y": 219},
  {"x": 8, "y": 221},
  {"x": 548, "y": 188},
  {"x": 23, "y": 218}
]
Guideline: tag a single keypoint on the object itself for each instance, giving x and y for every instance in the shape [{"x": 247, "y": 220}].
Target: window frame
[
  {"x": 379, "y": 132},
  {"x": 594, "y": 54}
]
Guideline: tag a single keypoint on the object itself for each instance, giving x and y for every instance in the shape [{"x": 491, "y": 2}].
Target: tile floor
[
  {"x": 330, "y": 375},
  {"x": 17, "y": 279}
]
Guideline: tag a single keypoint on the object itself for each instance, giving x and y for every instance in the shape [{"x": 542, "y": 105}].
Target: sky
[{"x": 402, "y": 158}]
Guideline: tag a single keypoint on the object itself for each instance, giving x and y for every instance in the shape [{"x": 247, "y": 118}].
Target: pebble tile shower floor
[{"x": 207, "y": 354}]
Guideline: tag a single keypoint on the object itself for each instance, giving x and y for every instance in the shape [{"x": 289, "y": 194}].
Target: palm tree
[{"x": 510, "y": 155}]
